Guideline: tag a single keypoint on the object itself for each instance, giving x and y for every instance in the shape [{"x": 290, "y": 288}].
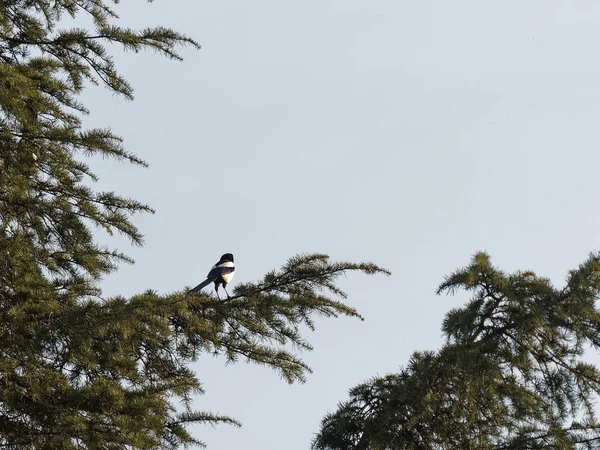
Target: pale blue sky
[{"x": 407, "y": 133}]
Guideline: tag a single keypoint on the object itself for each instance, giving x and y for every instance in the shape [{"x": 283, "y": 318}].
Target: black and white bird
[{"x": 220, "y": 274}]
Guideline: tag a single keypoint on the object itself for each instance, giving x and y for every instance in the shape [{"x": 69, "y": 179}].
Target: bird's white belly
[{"x": 227, "y": 277}]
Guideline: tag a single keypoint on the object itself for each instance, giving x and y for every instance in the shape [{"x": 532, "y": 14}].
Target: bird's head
[{"x": 227, "y": 257}]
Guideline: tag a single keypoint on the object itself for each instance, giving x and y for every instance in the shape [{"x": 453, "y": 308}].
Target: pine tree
[
  {"x": 78, "y": 370},
  {"x": 514, "y": 372}
]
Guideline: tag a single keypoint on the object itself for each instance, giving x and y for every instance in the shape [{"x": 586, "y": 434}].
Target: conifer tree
[
  {"x": 514, "y": 372},
  {"x": 79, "y": 371}
]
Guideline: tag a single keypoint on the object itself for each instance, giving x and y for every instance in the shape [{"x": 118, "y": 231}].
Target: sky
[{"x": 410, "y": 134}]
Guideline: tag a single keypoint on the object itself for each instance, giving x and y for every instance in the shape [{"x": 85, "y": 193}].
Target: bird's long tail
[{"x": 202, "y": 285}]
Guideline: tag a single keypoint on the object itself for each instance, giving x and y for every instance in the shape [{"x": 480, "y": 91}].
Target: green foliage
[
  {"x": 78, "y": 370},
  {"x": 512, "y": 373}
]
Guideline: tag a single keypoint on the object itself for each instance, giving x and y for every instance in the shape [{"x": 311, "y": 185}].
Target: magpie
[{"x": 221, "y": 273}]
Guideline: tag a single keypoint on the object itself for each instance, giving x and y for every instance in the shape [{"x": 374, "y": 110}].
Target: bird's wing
[
  {"x": 216, "y": 271},
  {"x": 221, "y": 269}
]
